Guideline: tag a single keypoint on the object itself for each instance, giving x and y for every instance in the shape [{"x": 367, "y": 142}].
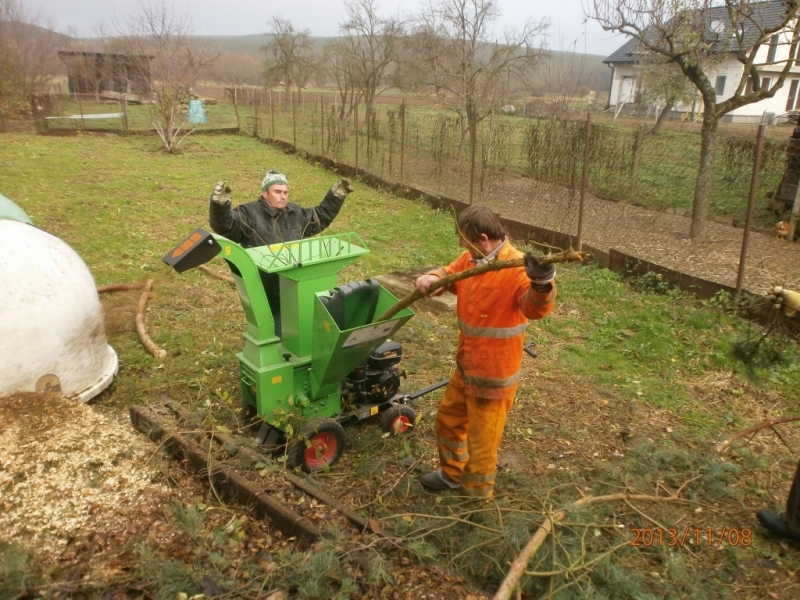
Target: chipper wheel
[
  {"x": 397, "y": 419},
  {"x": 319, "y": 446}
]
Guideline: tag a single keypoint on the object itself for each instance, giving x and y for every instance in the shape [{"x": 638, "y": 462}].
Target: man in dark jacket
[{"x": 272, "y": 219}]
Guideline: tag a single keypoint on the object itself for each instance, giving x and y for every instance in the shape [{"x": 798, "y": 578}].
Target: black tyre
[
  {"x": 319, "y": 446},
  {"x": 397, "y": 419}
]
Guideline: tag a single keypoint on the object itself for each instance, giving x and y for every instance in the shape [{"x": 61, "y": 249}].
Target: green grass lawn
[
  {"x": 545, "y": 149},
  {"x": 633, "y": 386}
]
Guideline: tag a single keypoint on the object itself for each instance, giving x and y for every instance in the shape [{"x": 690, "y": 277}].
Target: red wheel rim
[
  {"x": 322, "y": 450},
  {"x": 401, "y": 424}
]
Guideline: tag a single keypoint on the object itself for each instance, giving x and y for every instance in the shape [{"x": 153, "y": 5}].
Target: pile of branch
[{"x": 511, "y": 581}]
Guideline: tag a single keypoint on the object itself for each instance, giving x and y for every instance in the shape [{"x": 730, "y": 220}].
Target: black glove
[
  {"x": 221, "y": 194},
  {"x": 540, "y": 273},
  {"x": 341, "y": 188}
]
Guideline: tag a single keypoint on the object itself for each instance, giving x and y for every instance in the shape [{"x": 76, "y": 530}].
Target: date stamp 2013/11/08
[{"x": 656, "y": 536}]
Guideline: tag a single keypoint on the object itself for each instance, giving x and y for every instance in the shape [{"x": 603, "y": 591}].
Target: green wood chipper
[{"x": 332, "y": 363}]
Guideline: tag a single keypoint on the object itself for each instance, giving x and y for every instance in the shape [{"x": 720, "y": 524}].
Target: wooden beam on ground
[
  {"x": 301, "y": 482},
  {"x": 232, "y": 484}
]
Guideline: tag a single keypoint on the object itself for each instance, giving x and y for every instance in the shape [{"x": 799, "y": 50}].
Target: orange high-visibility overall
[{"x": 493, "y": 311}]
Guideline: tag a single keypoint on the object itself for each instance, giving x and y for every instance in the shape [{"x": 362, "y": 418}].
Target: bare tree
[
  {"x": 28, "y": 59},
  {"x": 341, "y": 65},
  {"x": 663, "y": 87},
  {"x": 694, "y": 34},
  {"x": 236, "y": 68},
  {"x": 564, "y": 77},
  {"x": 422, "y": 65},
  {"x": 475, "y": 68},
  {"x": 290, "y": 56},
  {"x": 155, "y": 34},
  {"x": 370, "y": 44}
]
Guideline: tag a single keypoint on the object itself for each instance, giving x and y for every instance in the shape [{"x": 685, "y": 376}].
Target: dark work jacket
[{"x": 258, "y": 224}]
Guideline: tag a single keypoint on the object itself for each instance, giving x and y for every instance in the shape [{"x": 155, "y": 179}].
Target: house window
[
  {"x": 765, "y": 83},
  {"x": 773, "y": 48},
  {"x": 792, "y": 94},
  {"x": 719, "y": 87}
]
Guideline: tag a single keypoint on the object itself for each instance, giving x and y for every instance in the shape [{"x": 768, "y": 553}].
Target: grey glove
[
  {"x": 221, "y": 194},
  {"x": 341, "y": 188},
  {"x": 540, "y": 273}
]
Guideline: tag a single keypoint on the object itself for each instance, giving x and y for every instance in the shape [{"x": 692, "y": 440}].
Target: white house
[{"x": 725, "y": 75}]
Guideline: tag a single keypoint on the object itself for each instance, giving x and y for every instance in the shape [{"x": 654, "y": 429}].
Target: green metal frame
[{"x": 301, "y": 372}]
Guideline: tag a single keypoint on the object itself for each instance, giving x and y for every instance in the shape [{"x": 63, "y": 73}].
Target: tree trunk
[
  {"x": 705, "y": 174},
  {"x": 662, "y": 116}
]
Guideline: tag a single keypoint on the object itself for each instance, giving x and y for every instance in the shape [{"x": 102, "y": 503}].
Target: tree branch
[
  {"x": 769, "y": 424},
  {"x": 495, "y": 265},
  {"x": 141, "y": 328},
  {"x": 518, "y": 566}
]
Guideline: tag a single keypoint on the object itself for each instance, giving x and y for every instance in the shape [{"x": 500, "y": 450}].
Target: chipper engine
[{"x": 332, "y": 363}]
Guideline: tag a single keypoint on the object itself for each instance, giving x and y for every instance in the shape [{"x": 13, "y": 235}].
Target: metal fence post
[
  {"x": 750, "y": 204},
  {"x": 355, "y": 118},
  {"x": 584, "y": 179},
  {"x": 80, "y": 106},
  {"x": 403, "y": 108},
  {"x": 272, "y": 114},
  {"x": 473, "y": 141},
  {"x": 123, "y": 104},
  {"x": 294, "y": 120},
  {"x": 321, "y": 126}
]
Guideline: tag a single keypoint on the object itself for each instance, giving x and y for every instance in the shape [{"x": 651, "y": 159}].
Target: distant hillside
[
  {"x": 561, "y": 71},
  {"x": 35, "y": 31},
  {"x": 250, "y": 44},
  {"x": 589, "y": 67}
]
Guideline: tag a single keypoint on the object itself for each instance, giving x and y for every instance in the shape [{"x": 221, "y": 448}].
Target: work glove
[
  {"x": 341, "y": 188},
  {"x": 221, "y": 194},
  {"x": 788, "y": 299},
  {"x": 540, "y": 273}
]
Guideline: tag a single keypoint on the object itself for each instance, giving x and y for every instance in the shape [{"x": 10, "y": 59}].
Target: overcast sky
[{"x": 322, "y": 17}]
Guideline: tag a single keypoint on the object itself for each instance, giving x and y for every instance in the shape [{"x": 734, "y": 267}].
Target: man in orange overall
[{"x": 493, "y": 311}]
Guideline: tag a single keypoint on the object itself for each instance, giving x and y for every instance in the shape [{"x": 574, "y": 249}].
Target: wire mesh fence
[
  {"x": 637, "y": 195},
  {"x": 432, "y": 150}
]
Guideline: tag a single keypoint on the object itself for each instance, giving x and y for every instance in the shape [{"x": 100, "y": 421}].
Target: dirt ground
[{"x": 663, "y": 238}]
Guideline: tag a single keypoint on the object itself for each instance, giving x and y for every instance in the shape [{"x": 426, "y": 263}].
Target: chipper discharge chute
[{"x": 332, "y": 363}]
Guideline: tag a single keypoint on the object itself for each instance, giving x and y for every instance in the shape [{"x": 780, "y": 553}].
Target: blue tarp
[{"x": 196, "y": 113}]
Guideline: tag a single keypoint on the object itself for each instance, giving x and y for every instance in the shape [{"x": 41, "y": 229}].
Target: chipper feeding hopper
[{"x": 332, "y": 362}]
